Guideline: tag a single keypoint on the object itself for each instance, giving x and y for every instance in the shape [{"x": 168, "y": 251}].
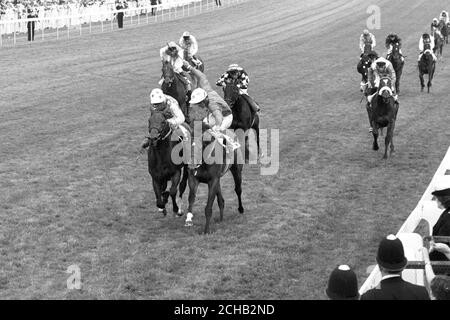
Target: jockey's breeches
[{"x": 226, "y": 121}]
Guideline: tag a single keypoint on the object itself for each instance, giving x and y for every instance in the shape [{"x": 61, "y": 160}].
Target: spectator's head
[
  {"x": 441, "y": 193},
  {"x": 440, "y": 287},
  {"x": 342, "y": 284},
  {"x": 391, "y": 256}
]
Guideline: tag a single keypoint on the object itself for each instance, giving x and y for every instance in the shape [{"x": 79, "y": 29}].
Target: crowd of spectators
[{"x": 70, "y": 12}]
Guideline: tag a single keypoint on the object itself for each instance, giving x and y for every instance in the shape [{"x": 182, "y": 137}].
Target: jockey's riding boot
[
  {"x": 146, "y": 143},
  {"x": 252, "y": 103}
]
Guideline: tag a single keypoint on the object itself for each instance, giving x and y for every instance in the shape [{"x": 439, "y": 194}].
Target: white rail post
[
  {"x": 68, "y": 28},
  {"x": 57, "y": 32},
  {"x": 81, "y": 24},
  {"x": 102, "y": 25},
  {"x": 42, "y": 31},
  {"x": 131, "y": 17},
  {"x": 139, "y": 17},
  {"x": 90, "y": 24},
  {"x": 112, "y": 22},
  {"x": 146, "y": 12},
  {"x": 1, "y": 33},
  {"x": 14, "y": 33}
]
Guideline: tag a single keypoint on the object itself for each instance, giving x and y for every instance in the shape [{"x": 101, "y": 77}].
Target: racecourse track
[{"x": 73, "y": 113}]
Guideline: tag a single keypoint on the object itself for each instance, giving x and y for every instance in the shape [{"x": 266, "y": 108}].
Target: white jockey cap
[
  {"x": 157, "y": 96},
  {"x": 435, "y": 19},
  {"x": 365, "y": 31},
  {"x": 171, "y": 44},
  {"x": 198, "y": 95},
  {"x": 186, "y": 34},
  {"x": 234, "y": 66}
]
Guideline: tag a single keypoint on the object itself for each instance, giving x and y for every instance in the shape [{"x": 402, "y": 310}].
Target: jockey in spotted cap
[
  {"x": 367, "y": 38},
  {"x": 190, "y": 48},
  {"x": 174, "y": 55},
  {"x": 238, "y": 74},
  {"x": 426, "y": 42}
]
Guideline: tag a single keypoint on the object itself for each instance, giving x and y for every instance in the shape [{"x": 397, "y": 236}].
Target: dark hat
[
  {"x": 391, "y": 255},
  {"x": 372, "y": 53},
  {"x": 442, "y": 188},
  {"x": 343, "y": 284}
]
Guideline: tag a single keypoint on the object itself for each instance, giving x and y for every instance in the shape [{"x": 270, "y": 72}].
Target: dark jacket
[
  {"x": 441, "y": 228},
  {"x": 396, "y": 289}
]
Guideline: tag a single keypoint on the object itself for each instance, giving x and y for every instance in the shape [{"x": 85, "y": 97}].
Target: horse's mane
[{"x": 396, "y": 39}]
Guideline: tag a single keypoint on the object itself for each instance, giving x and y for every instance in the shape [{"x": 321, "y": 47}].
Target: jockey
[
  {"x": 434, "y": 25},
  {"x": 390, "y": 40},
  {"x": 426, "y": 42},
  {"x": 381, "y": 68},
  {"x": 235, "y": 72},
  {"x": 366, "y": 38},
  {"x": 219, "y": 116},
  {"x": 444, "y": 17},
  {"x": 164, "y": 103},
  {"x": 174, "y": 55},
  {"x": 190, "y": 48}
]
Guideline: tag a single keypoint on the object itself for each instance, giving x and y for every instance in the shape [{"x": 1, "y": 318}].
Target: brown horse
[
  {"x": 426, "y": 66},
  {"x": 383, "y": 114},
  {"x": 214, "y": 163}
]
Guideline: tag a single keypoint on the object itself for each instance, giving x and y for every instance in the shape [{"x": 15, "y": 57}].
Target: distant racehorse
[
  {"x": 426, "y": 66},
  {"x": 243, "y": 117},
  {"x": 443, "y": 28},
  {"x": 383, "y": 114},
  {"x": 174, "y": 87},
  {"x": 189, "y": 59},
  {"x": 438, "y": 43},
  {"x": 210, "y": 171},
  {"x": 160, "y": 164},
  {"x": 395, "y": 58},
  {"x": 363, "y": 67}
]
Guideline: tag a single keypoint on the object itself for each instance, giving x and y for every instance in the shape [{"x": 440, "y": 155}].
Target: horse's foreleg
[
  {"x": 173, "y": 193},
  {"x": 183, "y": 182},
  {"x": 193, "y": 186},
  {"x": 236, "y": 171},
  {"x": 422, "y": 82},
  {"x": 212, "y": 191},
  {"x": 220, "y": 201},
  {"x": 375, "y": 137},
  {"x": 159, "y": 199}
]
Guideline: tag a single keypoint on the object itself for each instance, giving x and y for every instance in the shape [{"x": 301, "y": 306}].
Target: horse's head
[
  {"x": 158, "y": 127},
  {"x": 231, "y": 93},
  {"x": 168, "y": 73},
  {"x": 384, "y": 89},
  {"x": 427, "y": 54}
]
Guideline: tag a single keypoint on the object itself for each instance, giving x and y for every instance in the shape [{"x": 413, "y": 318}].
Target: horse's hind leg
[
  {"x": 236, "y": 171},
  {"x": 220, "y": 201},
  {"x": 173, "y": 193},
  {"x": 212, "y": 192}
]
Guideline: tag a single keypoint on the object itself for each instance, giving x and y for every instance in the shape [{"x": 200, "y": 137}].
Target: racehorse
[
  {"x": 160, "y": 164},
  {"x": 243, "y": 117},
  {"x": 396, "y": 59},
  {"x": 383, "y": 114},
  {"x": 426, "y": 66},
  {"x": 438, "y": 43},
  {"x": 210, "y": 172},
  {"x": 174, "y": 87},
  {"x": 443, "y": 28},
  {"x": 363, "y": 66}
]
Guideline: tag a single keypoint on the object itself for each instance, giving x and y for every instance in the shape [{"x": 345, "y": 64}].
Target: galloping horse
[
  {"x": 426, "y": 66},
  {"x": 243, "y": 117},
  {"x": 396, "y": 59},
  {"x": 363, "y": 66},
  {"x": 174, "y": 87},
  {"x": 210, "y": 171},
  {"x": 443, "y": 28},
  {"x": 438, "y": 43},
  {"x": 160, "y": 164},
  {"x": 383, "y": 114}
]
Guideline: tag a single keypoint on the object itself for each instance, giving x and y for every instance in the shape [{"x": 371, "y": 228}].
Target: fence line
[{"x": 78, "y": 24}]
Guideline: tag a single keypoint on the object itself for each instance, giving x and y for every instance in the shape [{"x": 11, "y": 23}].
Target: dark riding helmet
[
  {"x": 372, "y": 54},
  {"x": 426, "y": 36}
]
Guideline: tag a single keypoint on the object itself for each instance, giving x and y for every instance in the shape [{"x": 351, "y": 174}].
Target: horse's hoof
[
  {"x": 376, "y": 148},
  {"x": 241, "y": 210},
  {"x": 179, "y": 213},
  {"x": 188, "y": 224}
]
